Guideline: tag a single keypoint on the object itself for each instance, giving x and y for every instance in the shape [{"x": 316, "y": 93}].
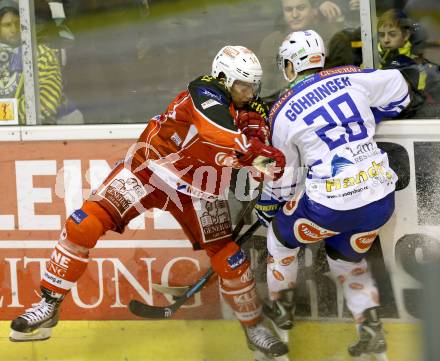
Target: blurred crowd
[{"x": 118, "y": 61}]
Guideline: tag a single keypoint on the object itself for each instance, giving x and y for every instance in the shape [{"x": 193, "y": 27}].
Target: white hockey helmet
[
  {"x": 305, "y": 49},
  {"x": 238, "y": 63}
]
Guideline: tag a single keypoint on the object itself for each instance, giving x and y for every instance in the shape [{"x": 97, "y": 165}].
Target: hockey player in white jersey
[{"x": 325, "y": 122}]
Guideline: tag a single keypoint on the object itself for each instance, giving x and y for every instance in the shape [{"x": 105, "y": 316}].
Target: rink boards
[{"x": 46, "y": 173}]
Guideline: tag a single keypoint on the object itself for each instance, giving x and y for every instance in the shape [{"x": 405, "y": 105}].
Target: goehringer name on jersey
[{"x": 315, "y": 96}]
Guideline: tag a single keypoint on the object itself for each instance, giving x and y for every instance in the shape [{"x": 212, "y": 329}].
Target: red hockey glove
[
  {"x": 266, "y": 160},
  {"x": 252, "y": 125}
]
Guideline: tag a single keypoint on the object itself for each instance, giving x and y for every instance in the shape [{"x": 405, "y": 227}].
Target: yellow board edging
[{"x": 175, "y": 340}]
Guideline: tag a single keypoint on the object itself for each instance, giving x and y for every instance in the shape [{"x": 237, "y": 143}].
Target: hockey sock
[
  {"x": 282, "y": 266},
  {"x": 63, "y": 269},
  {"x": 358, "y": 285}
]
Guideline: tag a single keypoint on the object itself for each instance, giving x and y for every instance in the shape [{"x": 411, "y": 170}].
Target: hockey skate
[
  {"x": 37, "y": 322},
  {"x": 261, "y": 339},
  {"x": 371, "y": 340},
  {"x": 281, "y": 313}
]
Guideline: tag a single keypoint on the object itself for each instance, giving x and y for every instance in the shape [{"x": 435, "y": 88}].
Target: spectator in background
[
  {"x": 345, "y": 47},
  {"x": 52, "y": 21},
  {"x": 295, "y": 15},
  {"x": 341, "y": 11},
  {"x": 103, "y": 73},
  {"x": 401, "y": 45},
  {"x": 11, "y": 67}
]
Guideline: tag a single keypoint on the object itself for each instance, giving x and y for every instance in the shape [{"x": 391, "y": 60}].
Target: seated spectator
[
  {"x": 401, "y": 44},
  {"x": 345, "y": 47},
  {"x": 295, "y": 15},
  {"x": 11, "y": 67},
  {"x": 54, "y": 106},
  {"x": 341, "y": 11},
  {"x": 394, "y": 31}
]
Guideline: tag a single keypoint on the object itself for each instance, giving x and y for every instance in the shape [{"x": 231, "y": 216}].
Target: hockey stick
[
  {"x": 177, "y": 291},
  {"x": 245, "y": 211},
  {"x": 147, "y": 311}
]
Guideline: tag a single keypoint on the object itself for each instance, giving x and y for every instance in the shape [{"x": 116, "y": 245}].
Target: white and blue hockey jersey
[{"x": 327, "y": 122}]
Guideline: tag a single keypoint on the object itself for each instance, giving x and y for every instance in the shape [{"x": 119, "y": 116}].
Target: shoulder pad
[{"x": 209, "y": 87}]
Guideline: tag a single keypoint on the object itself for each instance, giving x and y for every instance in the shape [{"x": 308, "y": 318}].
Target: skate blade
[
  {"x": 40, "y": 334},
  {"x": 282, "y": 334},
  {"x": 372, "y": 356},
  {"x": 259, "y": 356},
  {"x": 381, "y": 356}
]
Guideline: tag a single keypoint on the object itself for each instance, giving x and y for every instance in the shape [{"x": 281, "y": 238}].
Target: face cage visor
[{"x": 243, "y": 86}]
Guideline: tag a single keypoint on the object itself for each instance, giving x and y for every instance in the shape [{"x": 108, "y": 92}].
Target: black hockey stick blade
[
  {"x": 143, "y": 310},
  {"x": 157, "y": 312},
  {"x": 146, "y": 311}
]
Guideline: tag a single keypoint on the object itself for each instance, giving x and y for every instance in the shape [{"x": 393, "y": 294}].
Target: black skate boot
[
  {"x": 37, "y": 322},
  {"x": 260, "y": 338},
  {"x": 371, "y": 336},
  {"x": 281, "y": 312}
]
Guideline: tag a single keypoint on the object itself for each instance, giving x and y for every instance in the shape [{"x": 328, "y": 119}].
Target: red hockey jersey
[{"x": 194, "y": 144}]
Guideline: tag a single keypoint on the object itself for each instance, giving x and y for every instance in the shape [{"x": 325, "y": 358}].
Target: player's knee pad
[
  {"x": 230, "y": 262},
  {"x": 86, "y": 225},
  {"x": 359, "y": 288},
  {"x": 282, "y": 266},
  {"x": 70, "y": 257}
]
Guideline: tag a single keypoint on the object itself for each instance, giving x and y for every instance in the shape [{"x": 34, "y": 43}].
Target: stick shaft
[{"x": 143, "y": 310}]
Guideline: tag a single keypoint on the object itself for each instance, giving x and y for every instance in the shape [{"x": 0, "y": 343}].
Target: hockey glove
[
  {"x": 265, "y": 160},
  {"x": 253, "y": 125},
  {"x": 266, "y": 210}
]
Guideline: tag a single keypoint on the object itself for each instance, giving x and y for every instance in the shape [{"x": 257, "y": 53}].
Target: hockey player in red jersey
[{"x": 181, "y": 163}]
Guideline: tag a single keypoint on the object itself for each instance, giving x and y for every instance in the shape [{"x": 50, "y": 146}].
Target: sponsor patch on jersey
[
  {"x": 361, "y": 242},
  {"x": 214, "y": 219},
  {"x": 176, "y": 139},
  {"x": 339, "y": 164},
  {"x": 123, "y": 191},
  {"x": 211, "y": 93},
  {"x": 377, "y": 172},
  {"x": 236, "y": 259},
  {"x": 209, "y": 103},
  {"x": 278, "y": 104},
  {"x": 307, "y": 231},
  {"x": 340, "y": 70},
  {"x": 78, "y": 216}
]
